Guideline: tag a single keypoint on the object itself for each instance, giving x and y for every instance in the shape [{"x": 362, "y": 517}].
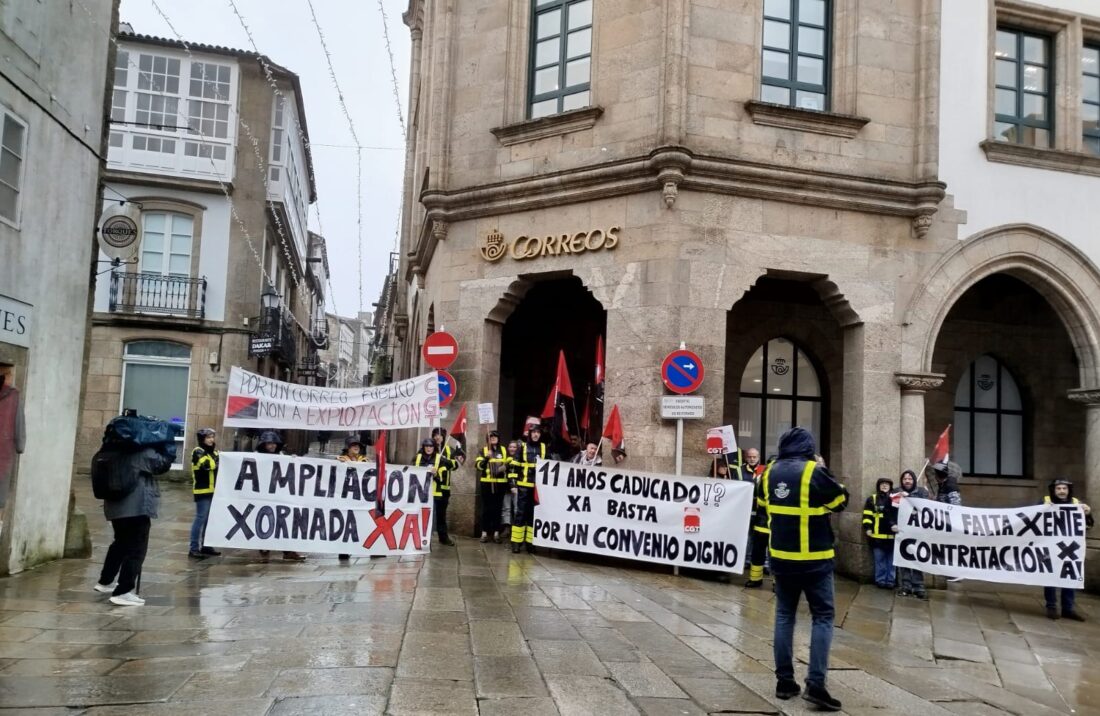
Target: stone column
[
  {"x": 1090, "y": 399},
  {"x": 913, "y": 388}
]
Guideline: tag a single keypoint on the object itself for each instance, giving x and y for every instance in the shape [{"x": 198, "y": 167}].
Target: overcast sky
[{"x": 284, "y": 31}]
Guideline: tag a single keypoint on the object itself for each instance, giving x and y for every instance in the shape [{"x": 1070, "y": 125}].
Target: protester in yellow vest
[
  {"x": 440, "y": 466},
  {"x": 492, "y": 469},
  {"x": 204, "y": 472},
  {"x": 1061, "y": 493}
]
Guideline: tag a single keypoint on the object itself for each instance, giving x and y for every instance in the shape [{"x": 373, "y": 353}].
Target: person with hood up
[
  {"x": 945, "y": 481},
  {"x": 271, "y": 442},
  {"x": 440, "y": 467},
  {"x": 204, "y": 473},
  {"x": 1060, "y": 492},
  {"x": 798, "y": 493},
  {"x": 880, "y": 524},
  {"x": 910, "y": 581}
]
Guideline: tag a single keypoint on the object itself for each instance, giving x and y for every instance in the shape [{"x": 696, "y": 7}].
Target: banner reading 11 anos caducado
[
  {"x": 682, "y": 521},
  {"x": 254, "y": 401},
  {"x": 264, "y": 502},
  {"x": 1040, "y": 545}
]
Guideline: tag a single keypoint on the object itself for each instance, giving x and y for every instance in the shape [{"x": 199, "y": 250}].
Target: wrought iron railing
[
  {"x": 274, "y": 334},
  {"x": 155, "y": 293}
]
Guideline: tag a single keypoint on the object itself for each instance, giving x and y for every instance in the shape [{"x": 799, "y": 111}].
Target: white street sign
[{"x": 682, "y": 407}]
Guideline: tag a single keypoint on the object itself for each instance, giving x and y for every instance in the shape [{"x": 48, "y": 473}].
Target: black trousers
[
  {"x": 126, "y": 553},
  {"x": 441, "y": 502},
  {"x": 492, "y": 501}
]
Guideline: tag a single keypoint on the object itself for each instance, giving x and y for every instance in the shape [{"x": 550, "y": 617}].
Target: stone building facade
[
  {"x": 784, "y": 186},
  {"x": 224, "y": 271}
]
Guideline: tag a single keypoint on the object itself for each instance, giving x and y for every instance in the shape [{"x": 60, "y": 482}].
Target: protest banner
[
  {"x": 1040, "y": 545},
  {"x": 264, "y": 501},
  {"x": 683, "y": 521},
  {"x": 254, "y": 401}
]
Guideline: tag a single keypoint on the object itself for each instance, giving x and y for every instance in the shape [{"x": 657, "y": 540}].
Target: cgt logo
[{"x": 495, "y": 246}]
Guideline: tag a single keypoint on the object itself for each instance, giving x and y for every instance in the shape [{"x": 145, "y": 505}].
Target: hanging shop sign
[
  {"x": 16, "y": 318},
  {"x": 495, "y": 245}
]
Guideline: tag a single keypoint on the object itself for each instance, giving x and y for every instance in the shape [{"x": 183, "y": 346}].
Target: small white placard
[
  {"x": 485, "y": 414},
  {"x": 689, "y": 407}
]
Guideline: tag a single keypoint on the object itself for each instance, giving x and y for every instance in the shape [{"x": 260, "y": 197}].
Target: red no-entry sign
[{"x": 440, "y": 350}]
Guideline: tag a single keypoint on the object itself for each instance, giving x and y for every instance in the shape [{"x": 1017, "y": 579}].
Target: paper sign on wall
[{"x": 485, "y": 414}]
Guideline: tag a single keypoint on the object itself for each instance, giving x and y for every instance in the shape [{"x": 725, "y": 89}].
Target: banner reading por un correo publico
[
  {"x": 684, "y": 521},
  {"x": 1041, "y": 545},
  {"x": 254, "y": 401},
  {"x": 306, "y": 504}
]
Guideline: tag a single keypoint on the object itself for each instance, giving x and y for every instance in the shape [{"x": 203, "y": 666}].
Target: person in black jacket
[
  {"x": 911, "y": 581},
  {"x": 880, "y": 524},
  {"x": 798, "y": 493},
  {"x": 1060, "y": 492},
  {"x": 440, "y": 466}
]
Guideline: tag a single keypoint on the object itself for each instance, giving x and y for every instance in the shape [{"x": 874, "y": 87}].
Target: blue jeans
[
  {"x": 883, "y": 551},
  {"x": 1068, "y": 597},
  {"x": 198, "y": 527},
  {"x": 817, "y": 584}
]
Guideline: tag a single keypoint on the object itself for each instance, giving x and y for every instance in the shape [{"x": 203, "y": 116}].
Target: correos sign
[{"x": 494, "y": 246}]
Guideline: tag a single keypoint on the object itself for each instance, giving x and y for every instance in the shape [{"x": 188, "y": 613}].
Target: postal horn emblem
[
  {"x": 493, "y": 248},
  {"x": 781, "y": 490}
]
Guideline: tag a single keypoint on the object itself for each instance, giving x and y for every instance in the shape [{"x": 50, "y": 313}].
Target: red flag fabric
[
  {"x": 561, "y": 381},
  {"x": 459, "y": 427},
  {"x": 613, "y": 431},
  {"x": 380, "y": 465},
  {"x": 585, "y": 416},
  {"x": 551, "y": 405},
  {"x": 599, "y": 360},
  {"x": 942, "y": 452}
]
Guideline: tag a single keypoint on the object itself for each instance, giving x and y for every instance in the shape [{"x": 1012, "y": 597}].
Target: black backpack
[{"x": 113, "y": 478}]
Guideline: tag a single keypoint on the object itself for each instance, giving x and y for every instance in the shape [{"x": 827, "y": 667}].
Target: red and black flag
[
  {"x": 380, "y": 465},
  {"x": 555, "y": 401},
  {"x": 613, "y": 431}
]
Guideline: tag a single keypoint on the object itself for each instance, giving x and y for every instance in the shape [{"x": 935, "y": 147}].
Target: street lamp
[{"x": 269, "y": 299}]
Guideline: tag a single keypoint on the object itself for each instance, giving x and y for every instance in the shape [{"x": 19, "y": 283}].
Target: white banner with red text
[
  {"x": 254, "y": 401},
  {"x": 682, "y": 521},
  {"x": 1040, "y": 545},
  {"x": 305, "y": 504}
]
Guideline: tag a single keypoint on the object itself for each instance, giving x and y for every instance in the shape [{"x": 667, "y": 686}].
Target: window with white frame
[
  {"x": 1090, "y": 97},
  {"x": 13, "y": 144},
  {"x": 166, "y": 243},
  {"x": 155, "y": 377},
  {"x": 780, "y": 388},
  {"x": 208, "y": 108},
  {"x": 278, "y": 128}
]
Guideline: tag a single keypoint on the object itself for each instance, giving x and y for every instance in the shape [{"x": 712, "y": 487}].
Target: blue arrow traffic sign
[
  {"x": 682, "y": 372},
  {"x": 447, "y": 388}
]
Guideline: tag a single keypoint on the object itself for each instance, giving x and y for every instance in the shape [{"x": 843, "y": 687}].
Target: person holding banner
[
  {"x": 798, "y": 493},
  {"x": 508, "y": 508},
  {"x": 204, "y": 473},
  {"x": 271, "y": 442},
  {"x": 1061, "y": 493},
  {"x": 440, "y": 466},
  {"x": 880, "y": 524},
  {"x": 523, "y": 524},
  {"x": 353, "y": 452},
  {"x": 492, "y": 468},
  {"x": 910, "y": 581}
]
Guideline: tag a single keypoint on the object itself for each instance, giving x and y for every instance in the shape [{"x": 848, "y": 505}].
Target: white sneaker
[
  {"x": 104, "y": 588},
  {"x": 129, "y": 599}
]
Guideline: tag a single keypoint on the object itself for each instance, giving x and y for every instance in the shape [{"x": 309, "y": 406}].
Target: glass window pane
[
  {"x": 580, "y": 43},
  {"x": 152, "y": 262},
  {"x": 985, "y": 443},
  {"x": 158, "y": 391},
  {"x": 811, "y": 12},
  {"x": 1035, "y": 137},
  {"x": 8, "y": 199},
  {"x": 1090, "y": 60},
  {"x": 1035, "y": 50},
  {"x": 13, "y": 136},
  {"x": 546, "y": 80},
  {"x": 810, "y": 100},
  {"x": 779, "y": 422},
  {"x": 778, "y": 8},
  {"x": 748, "y": 423},
  {"x": 1006, "y": 73},
  {"x": 9, "y": 168},
  {"x": 179, "y": 265},
  {"x": 578, "y": 72},
  {"x": 777, "y": 65},
  {"x": 1010, "y": 392},
  {"x": 154, "y": 223},
  {"x": 962, "y": 391},
  {"x": 1006, "y": 102},
  {"x": 960, "y": 441},
  {"x": 777, "y": 34},
  {"x": 1035, "y": 78},
  {"x": 808, "y": 415},
  {"x": 752, "y": 378},
  {"x": 544, "y": 108},
  {"x": 1012, "y": 445},
  {"x": 1004, "y": 132},
  {"x": 180, "y": 245},
  {"x": 807, "y": 377},
  {"x": 580, "y": 14},
  {"x": 811, "y": 70},
  {"x": 1092, "y": 145},
  {"x": 811, "y": 40},
  {"x": 1090, "y": 89},
  {"x": 780, "y": 367},
  {"x": 1090, "y": 115},
  {"x": 548, "y": 52},
  {"x": 1035, "y": 106},
  {"x": 576, "y": 100},
  {"x": 1006, "y": 45},
  {"x": 985, "y": 382},
  {"x": 549, "y": 24},
  {"x": 778, "y": 95}
]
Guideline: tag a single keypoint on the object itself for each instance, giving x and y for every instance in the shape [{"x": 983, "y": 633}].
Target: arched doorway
[
  {"x": 780, "y": 388},
  {"x": 556, "y": 314}
]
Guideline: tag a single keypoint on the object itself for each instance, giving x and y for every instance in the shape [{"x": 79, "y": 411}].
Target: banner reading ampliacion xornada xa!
[
  {"x": 304, "y": 504},
  {"x": 1042, "y": 545},
  {"x": 684, "y": 521},
  {"x": 254, "y": 401}
]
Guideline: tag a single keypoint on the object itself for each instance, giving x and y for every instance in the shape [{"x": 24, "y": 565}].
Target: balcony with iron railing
[
  {"x": 154, "y": 293},
  {"x": 274, "y": 335}
]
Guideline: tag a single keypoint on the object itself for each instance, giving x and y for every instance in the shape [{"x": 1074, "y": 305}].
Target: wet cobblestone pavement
[{"x": 474, "y": 629}]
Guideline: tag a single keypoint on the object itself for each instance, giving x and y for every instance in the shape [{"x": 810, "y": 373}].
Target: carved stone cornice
[
  {"x": 531, "y": 129},
  {"x": 1036, "y": 158},
  {"x": 919, "y": 382},
  {"x": 805, "y": 120},
  {"x": 1085, "y": 396}
]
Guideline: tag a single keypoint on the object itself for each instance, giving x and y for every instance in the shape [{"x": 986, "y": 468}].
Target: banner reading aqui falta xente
[
  {"x": 254, "y": 401},
  {"x": 264, "y": 501},
  {"x": 1041, "y": 545},
  {"x": 682, "y": 521}
]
